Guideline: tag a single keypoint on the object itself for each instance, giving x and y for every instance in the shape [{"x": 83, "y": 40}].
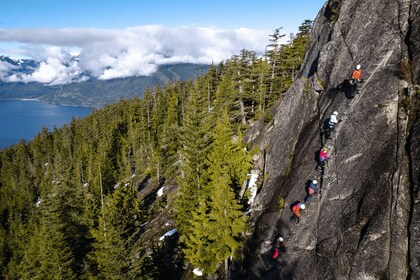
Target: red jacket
[
  {"x": 357, "y": 74},
  {"x": 276, "y": 253},
  {"x": 296, "y": 209}
]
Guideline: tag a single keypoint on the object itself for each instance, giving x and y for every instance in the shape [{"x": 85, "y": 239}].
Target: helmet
[
  {"x": 302, "y": 206},
  {"x": 315, "y": 182},
  {"x": 281, "y": 239},
  {"x": 335, "y": 113},
  {"x": 325, "y": 149},
  {"x": 358, "y": 67}
]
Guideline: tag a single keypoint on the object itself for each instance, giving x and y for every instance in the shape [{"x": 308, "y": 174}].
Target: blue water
[{"x": 24, "y": 119}]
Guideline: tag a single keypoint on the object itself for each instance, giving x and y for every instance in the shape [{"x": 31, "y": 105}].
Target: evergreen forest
[{"x": 75, "y": 202}]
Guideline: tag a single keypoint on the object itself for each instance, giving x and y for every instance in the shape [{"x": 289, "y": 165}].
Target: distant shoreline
[{"x": 38, "y": 100}]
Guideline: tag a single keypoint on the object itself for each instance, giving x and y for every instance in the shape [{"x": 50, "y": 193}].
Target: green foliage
[
  {"x": 195, "y": 140},
  {"x": 334, "y": 10},
  {"x": 320, "y": 82},
  {"x": 268, "y": 117},
  {"x": 289, "y": 166},
  {"x": 69, "y": 202},
  {"x": 229, "y": 162},
  {"x": 407, "y": 103},
  {"x": 114, "y": 239},
  {"x": 307, "y": 88},
  {"x": 335, "y": 14},
  {"x": 285, "y": 60},
  {"x": 281, "y": 203},
  {"x": 406, "y": 72}
]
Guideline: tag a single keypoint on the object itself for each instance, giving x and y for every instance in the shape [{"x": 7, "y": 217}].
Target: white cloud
[
  {"x": 5, "y": 67},
  {"x": 117, "y": 53}
]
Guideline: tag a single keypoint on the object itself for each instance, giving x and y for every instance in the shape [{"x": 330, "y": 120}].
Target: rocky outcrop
[
  {"x": 359, "y": 228},
  {"x": 413, "y": 39},
  {"x": 414, "y": 151}
]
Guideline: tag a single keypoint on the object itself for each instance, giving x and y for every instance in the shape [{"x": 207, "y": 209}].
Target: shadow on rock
[
  {"x": 168, "y": 259},
  {"x": 347, "y": 88},
  {"x": 325, "y": 130},
  {"x": 316, "y": 158},
  {"x": 332, "y": 92},
  {"x": 143, "y": 183},
  {"x": 283, "y": 272}
]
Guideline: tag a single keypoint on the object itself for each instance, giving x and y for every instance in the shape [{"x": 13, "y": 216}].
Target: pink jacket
[{"x": 323, "y": 155}]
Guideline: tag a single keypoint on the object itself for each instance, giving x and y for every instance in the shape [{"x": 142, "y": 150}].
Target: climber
[
  {"x": 278, "y": 244},
  {"x": 296, "y": 207},
  {"x": 331, "y": 123},
  {"x": 323, "y": 157},
  {"x": 312, "y": 190},
  {"x": 279, "y": 251},
  {"x": 356, "y": 75}
]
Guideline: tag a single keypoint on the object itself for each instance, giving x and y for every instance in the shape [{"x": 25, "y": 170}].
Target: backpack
[
  {"x": 310, "y": 191},
  {"x": 276, "y": 253}
]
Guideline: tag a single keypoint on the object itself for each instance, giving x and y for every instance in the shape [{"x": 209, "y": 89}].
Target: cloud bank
[{"x": 118, "y": 53}]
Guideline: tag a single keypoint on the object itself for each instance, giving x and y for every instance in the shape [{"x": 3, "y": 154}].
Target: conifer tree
[
  {"x": 196, "y": 239},
  {"x": 216, "y": 222},
  {"x": 14, "y": 250},
  {"x": 213, "y": 79},
  {"x": 3, "y": 252},
  {"x": 49, "y": 251},
  {"x": 224, "y": 95},
  {"x": 229, "y": 163},
  {"x": 116, "y": 234},
  {"x": 245, "y": 95},
  {"x": 195, "y": 141},
  {"x": 47, "y": 255},
  {"x": 170, "y": 135},
  {"x": 274, "y": 59},
  {"x": 261, "y": 69}
]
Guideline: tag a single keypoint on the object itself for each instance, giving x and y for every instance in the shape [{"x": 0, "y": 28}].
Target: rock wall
[
  {"x": 414, "y": 151},
  {"x": 413, "y": 38},
  {"x": 359, "y": 227}
]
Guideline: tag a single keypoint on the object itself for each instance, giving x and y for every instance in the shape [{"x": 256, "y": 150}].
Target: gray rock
[
  {"x": 358, "y": 228},
  {"x": 413, "y": 39},
  {"x": 414, "y": 150}
]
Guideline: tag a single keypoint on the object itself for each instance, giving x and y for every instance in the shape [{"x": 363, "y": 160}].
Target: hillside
[
  {"x": 364, "y": 225},
  {"x": 145, "y": 188},
  {"x": 196, "y": 180},
  {"x": 97, "y": 93}
]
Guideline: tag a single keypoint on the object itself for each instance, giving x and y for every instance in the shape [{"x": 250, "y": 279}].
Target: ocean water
[{"x": 23, "y": 119}]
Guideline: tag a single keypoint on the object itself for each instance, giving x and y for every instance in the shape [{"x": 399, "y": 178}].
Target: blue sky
[
  {"x": 227, "y": 14},
  {"x": 116, "y": 39}
]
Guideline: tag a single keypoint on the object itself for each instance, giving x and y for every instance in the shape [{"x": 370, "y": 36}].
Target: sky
[{"x": 116, "y": 39}]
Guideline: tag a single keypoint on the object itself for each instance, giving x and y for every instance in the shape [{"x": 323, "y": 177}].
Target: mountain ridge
[{"x": 93, "y": 92}]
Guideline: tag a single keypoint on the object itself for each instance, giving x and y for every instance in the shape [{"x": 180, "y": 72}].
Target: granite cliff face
[{"x": 366, "y": 223}]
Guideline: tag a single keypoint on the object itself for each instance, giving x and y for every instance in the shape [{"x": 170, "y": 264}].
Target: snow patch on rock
[
  {"x": 252, "y": 186},
  {"x": 197, "y": 272},
  {"x": 169, "y": 233},
  {"x": 160, "y": 192}
]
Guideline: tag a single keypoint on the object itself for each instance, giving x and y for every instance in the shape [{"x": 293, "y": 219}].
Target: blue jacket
[
  {"x": 314, "y": 187},
  {"x": 333, "y": 121}
]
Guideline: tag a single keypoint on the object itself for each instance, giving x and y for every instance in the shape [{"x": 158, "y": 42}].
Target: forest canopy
[{"x": 73, "y": 202}]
